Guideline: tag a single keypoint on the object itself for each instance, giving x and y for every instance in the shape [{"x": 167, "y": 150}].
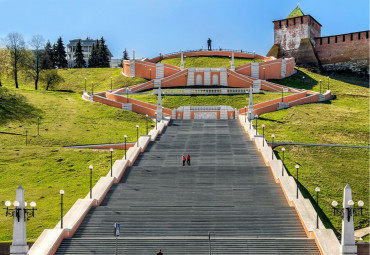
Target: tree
[
  {"x": 37, "y": 43},
  {"x": 16, "y": 46},
  {"x": 103, "y": 54},
  {"x": 5, "y": 65},
  {"x": 60, "y": 54},
  {"x": 124, "y": 57},
  {"x": 47, "y": 57},
  {"x": 78, "y": 56},
  {"x": 94, "y": 57},
  {"x": 51, "y": 78}
]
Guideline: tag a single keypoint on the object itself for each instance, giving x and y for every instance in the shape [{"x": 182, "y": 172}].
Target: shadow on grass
[
  {"x": 361, "y": 80},
  {"x": 63, "y": 90},
  {"x": 14, "y": 107}
]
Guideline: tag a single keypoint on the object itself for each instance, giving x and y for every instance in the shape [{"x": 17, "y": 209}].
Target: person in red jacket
[
  {"x": 183, "y": 160},
  {"x": 188, "y": 159}
]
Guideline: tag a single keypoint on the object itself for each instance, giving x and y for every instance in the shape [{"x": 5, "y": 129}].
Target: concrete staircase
[{"x": 227, "y": 191}]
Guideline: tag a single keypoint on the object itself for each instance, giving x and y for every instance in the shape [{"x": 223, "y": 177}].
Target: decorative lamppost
[
  {"x": 297, "y": 167},
  {"x": 19, "y": 244},
  {"x": 85, "y": 83},
  {"x": 282, "y": 165},
  {"x": 91, "y": 168},
  {"x": 264, "y": 73},
  {"x": 61, "y": 192},
  {"x": 328, "y": 83},
  {"x": 111, "y": 83},
  {"x": 256, "y": 123},
  {"x": 303, "y": 79},
  {"x": 146, "y": 115},
  {"x": 348, "y": 245},
  {"x": 111, "y": 162},
  {"x": 317, "y": 189},
  {"x": 272, "y": 146},
  {"x": 320, "y": 85},
  {"x": 92, "y": 88},
  {"x": 127, "y": 90},
  {"x": 125, "y": 145},
  {"x": 245, "y": 114},
  {"x": 263, "y": 135},
  {"x": 137, "y": 135},
  {"x": 150, "y": 74}
]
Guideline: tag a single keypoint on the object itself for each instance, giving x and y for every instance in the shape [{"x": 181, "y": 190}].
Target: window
[
  {"x": 328, "y": 40},
  {"x": 359, "y": 36},
  {"x": 367, "y": 34},
  {"x": 336, "y": 39},
  {"x": 351, "y": 37},
  {"x": 320, "y": 40},
  {"x": 301, "y": 19},
  {"x": 279, "y": 23},
  {"x": 294, "y": 21},
  {"x": 287, "y": 23},
  {"x": 344, "y": 38}
]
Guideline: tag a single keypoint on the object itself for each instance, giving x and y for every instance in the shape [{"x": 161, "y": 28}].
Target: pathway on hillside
[{"x": 227, "y": 191}]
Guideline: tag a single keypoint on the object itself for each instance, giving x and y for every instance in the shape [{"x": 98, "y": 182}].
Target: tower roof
[{"x": 297, "y": 12}]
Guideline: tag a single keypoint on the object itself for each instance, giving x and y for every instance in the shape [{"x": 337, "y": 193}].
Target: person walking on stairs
[
  {"x": 188, "y": 159},
  {"x": 183, "y": 160}
]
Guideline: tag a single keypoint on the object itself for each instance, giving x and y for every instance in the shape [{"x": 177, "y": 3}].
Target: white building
[{"x": 86, "y": 50}]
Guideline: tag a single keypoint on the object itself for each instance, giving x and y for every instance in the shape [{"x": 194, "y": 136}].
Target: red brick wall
[
  {"x": 170, "y": 69},
  {"x": 145, "y": 70},
  {"x": 126, "y": 67},
  {"x": 238, "y": 81},
  {"x": 178, "y": 79},
  {"x": 340, "y": 48},
  {"x": 244, "y": 69},
  {"x": 272, "y": 70}
]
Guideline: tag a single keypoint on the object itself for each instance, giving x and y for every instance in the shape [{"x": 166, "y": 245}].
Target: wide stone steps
[
  {"x": 198, "y": 246},
  {"x": 161, "y": 204}
]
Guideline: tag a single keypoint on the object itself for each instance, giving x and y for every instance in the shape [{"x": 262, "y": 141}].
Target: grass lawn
[
  {"x": 208, "y": 61},
  {"x": 235, "y": 101},
  {"x": 74, "y": 80},
  {"x": 344, "y": 120},
  {"x": 44, "y": 166}
]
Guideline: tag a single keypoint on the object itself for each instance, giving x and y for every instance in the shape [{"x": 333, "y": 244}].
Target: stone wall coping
[
  {"x": 100, "y": 189},
  {"x": 153, "y": 134},
  {"x": 118, "y": 168},
  {"x": 308, "y": 214},
  {"x": 132, "y": 154},
  {"x": 74, "y": 215},
  {"x": 46, "y": 242},
  {"x": 327, "y": 241},
  {"x": 143, "y": 142}
]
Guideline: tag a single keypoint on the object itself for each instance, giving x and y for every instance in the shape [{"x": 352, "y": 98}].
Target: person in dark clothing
[
  {"x": 160, "y": 252},
  {"x": 183, "y": 160},
  {"x": 209, "y": 43},
  {"x": 188, "y": 159}
]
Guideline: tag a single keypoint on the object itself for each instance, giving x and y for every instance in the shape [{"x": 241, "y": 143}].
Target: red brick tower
[{"x": 295, "y": 35}]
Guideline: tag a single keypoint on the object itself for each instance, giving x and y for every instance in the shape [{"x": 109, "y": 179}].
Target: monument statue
[{"x": 209, "y": 42}]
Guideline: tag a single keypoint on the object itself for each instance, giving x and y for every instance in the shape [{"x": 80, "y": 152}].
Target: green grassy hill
[
  {"x": 74, "y": 80},
  {"x": 44, "y": 166},
  {"x": 208, "y": 61}
]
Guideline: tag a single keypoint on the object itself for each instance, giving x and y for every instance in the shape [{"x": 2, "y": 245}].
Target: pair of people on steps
[{"x": 187, "y": 159}]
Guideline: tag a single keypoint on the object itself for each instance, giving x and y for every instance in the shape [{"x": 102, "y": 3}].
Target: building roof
[{"x": 297, "y": 12}]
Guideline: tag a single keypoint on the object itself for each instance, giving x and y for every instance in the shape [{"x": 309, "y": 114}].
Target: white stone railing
[{"x": 203, "y": 91}]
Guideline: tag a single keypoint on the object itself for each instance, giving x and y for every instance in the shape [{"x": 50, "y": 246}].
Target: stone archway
[
  {"x": 215, "y": 79},
  {"x": 199, "y": 79}
]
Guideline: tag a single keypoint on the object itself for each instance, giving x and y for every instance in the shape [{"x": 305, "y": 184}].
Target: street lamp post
[
  {"x": 111, "y": 162},
  {"x": 263, "y": 135},
  {"x": 85, "y": 83},
  {"x": 61, "y": 192},
  {"x": 127, "y": 90},
  {"x": 303, "y": 79},
  {"x": 317, "y": 189},
  {"x": 282, "y": 165},
  {"x": 320, "y": 85},
  {"x": 92, "y": 88},
  {"x": 264, "y": 73},
  {"x": 297, "y": 167},
  {"x": 328, "y": 83},
  {"x": 150, "y": 74},
  {"x": 91, "y": 168},
  {"x": 137, "y": 135},
  {"x": 111, "y": 83},
  {"x": 125, "y": 145},
  {"x": 256, "y": 123},
  {"x": 282, "y": 95},
  {"x": 272, "y": 146},
  {"x": 245, "y": 114}
]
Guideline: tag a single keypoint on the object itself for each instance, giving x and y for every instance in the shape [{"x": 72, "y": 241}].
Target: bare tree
[
  {"x": 16, "y": 46},
  {"x": 37, "y": 43}
]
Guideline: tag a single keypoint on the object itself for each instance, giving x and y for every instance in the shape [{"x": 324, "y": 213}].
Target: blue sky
[{"x": 153, "y": 26}]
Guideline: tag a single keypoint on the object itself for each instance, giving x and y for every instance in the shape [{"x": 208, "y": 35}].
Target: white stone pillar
[
  {"x": 250, "y": 106},
  {"x": 182, "y": 61},
  {"x": 232, "y": 62},
  {"x": 19, "y": 244},
  {"x": 159, "y": 105},
  {"x": 348, "y": 245}
]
